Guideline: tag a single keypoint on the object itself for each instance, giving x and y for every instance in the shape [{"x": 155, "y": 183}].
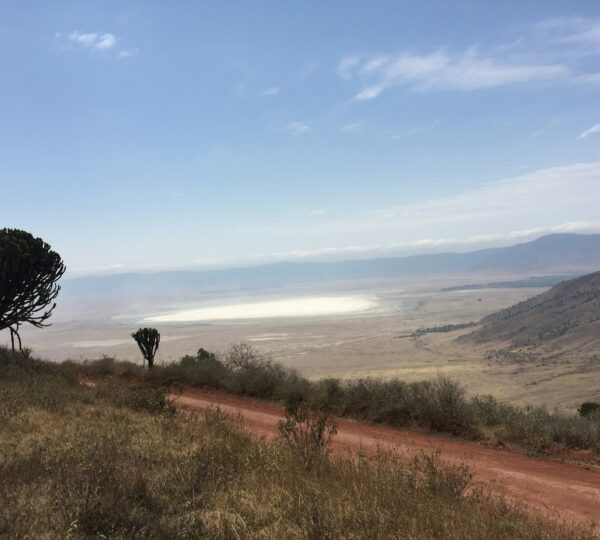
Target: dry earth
[{"x": 560, "y": 490}]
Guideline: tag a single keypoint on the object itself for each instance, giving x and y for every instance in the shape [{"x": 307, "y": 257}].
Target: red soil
[{"x": 561, "y": 490}]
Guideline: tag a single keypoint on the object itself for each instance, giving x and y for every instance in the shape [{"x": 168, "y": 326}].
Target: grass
[
  {"x": 115, "y": 461},
  {"x": 440, "y": 405}
]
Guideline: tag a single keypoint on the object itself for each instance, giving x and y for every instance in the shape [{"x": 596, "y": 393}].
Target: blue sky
[{"x": 147, "y": 135}]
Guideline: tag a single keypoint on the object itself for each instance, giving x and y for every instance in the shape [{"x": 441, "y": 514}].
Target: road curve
[{"x": 567, "y": 491}]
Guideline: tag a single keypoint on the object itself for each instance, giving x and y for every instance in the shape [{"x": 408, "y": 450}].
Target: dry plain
[{"x": 375, "y": 340}]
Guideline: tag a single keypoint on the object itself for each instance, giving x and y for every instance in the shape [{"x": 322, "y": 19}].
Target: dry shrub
[
  {"x": 95, "y": 468},
  {"x": 308, "y": 433}
]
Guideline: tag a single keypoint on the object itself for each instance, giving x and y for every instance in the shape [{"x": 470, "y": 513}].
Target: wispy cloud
[
  {"x": 579, "y": 35},
  {"x": 347, "y": 66},
  {"x": 571, "y": 187},
  {"x": 96, "y": 42},
  {"x": 548, "y": 50},
  {"x": 535, "y": 201},
  {"x": 127, "y": 53},
  {"x": 430, "y": 244},
  {"x": 99, "y": 42},
  {"x": 298, "y": 128},
  {"x": 591, "y": 131},
  {"x": 271, "y": 91},
  {"x": 442, "y": 70}
]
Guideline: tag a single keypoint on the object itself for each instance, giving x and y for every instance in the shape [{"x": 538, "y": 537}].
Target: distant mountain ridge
[
  {"x": 548, "y": 255},
  {"x": 569, "y": 310}
]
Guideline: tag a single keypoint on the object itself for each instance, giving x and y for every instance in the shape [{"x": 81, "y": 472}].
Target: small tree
[
  {"x": 148, "y": 340},
  {"x": 589, "y": 408},
  {"x": 29, "y": 272}
]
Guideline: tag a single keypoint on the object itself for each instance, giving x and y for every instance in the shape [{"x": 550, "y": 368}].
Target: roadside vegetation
[
  {"x": 116, "y": 461},
  {"x": 440, "y": 404}
]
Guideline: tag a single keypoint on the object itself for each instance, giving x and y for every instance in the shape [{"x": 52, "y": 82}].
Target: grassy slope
[
  {"x": 571, "y": 307},
  {"x": 114, "y": 461}
]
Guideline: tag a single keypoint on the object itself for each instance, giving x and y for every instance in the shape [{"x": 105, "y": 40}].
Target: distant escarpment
[{"x": 566, "y": 315}]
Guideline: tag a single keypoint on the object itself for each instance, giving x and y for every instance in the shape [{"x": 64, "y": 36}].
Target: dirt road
[{"x": 567, "y": 491}]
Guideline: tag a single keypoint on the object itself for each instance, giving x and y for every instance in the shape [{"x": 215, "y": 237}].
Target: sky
[{"x": 147, "y": 135}]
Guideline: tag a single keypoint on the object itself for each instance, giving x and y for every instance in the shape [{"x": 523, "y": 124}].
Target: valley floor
[{"x": 376, "y": 343}]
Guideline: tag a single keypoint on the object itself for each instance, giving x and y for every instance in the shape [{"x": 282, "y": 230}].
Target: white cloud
[
  {"x": 591, "y": 131},
  {"x": 105, "y": 42},
  {"x": 441, "y": 70},
  {"x": 370, "y": 92},
  {"x": 297, "y": 128},
  {"x": 535, "y": 201},
  {"x": 94, "y": 41},
  {"x": 421, "y": 245},
  {"x": 271, "y": 91},
  {"x": 572, "y": 188},
  {"x": 551, "y": 49},
  {"x": 87, "y": 40}
]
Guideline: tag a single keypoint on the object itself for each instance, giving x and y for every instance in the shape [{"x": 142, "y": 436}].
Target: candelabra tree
[
  {"x": 29, "y": 274},
  {"x": 148, "y": 340}
]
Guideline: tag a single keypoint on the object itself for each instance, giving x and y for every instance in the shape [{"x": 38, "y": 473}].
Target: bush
[
  {"x": 440, "y": 404},
  {"x": 100, "y": 470},
  {"x": 588, "y": 408},
  {"x": 139, "y": 397},
  {"x": 308, "y": 433}
]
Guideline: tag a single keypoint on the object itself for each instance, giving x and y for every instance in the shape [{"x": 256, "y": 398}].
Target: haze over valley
[{"x": 348, "y": 319}]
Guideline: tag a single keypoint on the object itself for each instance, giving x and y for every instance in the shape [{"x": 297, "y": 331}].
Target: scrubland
[
  {"x": 440, "y": 404},
  {"x": 116, "y": 461}
]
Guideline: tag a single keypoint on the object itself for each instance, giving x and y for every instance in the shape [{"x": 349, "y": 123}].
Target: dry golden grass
[{"x": 115, "y": 462}]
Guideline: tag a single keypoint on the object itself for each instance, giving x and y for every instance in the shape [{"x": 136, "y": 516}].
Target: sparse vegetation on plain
[
  {"x": 114, "y": 461},
  {"x": 441, "y": 404},
  {"x": 444, "y": 328}
]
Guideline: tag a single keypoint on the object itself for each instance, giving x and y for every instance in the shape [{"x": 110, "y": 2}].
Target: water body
[{"x": 289, "y": 307}]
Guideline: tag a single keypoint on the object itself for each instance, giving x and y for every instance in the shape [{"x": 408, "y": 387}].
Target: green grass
[{"x": 115, "y": 461}]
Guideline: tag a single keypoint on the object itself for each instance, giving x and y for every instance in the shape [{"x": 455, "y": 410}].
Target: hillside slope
[
  {"x": 569, "y": 310},
  {"x": 560, "y": 253}
]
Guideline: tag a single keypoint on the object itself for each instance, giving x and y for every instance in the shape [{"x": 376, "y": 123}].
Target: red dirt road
[{"x": 562, "y": 490}]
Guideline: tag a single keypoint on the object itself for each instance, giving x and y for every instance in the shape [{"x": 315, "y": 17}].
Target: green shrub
[{"x": 589, "y": 408}]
